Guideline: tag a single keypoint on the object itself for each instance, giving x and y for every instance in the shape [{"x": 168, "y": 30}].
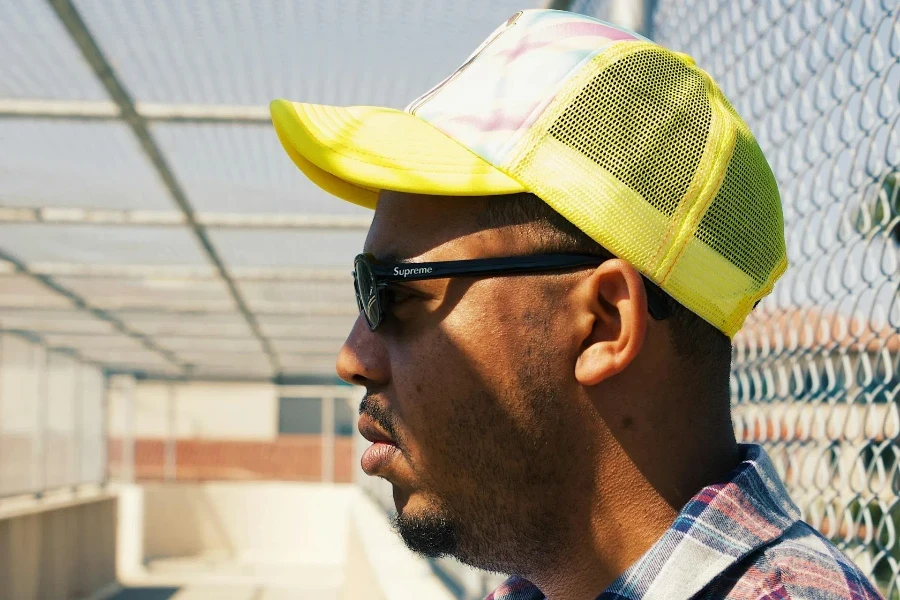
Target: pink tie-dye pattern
[
  {"x": 497, "y": 119},
  {"x": 593, "y": 29},
  {"x": 551, "y": 35}
]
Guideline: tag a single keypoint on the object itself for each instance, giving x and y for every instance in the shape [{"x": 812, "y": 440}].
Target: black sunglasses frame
[{"x": 378, "y": 275}]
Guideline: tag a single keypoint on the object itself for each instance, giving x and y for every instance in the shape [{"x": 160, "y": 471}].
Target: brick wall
[{"x": 287, "y": 457}]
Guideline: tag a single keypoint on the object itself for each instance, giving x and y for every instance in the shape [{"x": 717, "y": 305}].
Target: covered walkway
[{"x": 173, "y": 293}]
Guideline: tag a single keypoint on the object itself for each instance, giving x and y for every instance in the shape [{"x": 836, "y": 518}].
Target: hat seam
[{"x": 723, "y": 133}]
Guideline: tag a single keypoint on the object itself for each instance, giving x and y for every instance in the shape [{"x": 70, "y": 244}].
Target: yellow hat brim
[{"x": 354, "y": 152}]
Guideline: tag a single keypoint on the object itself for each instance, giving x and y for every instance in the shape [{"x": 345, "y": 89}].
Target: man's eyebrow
[{"x": 391, "y": 257}]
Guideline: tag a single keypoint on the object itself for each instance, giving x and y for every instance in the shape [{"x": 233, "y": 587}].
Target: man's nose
[{"x": 363, "y": 357}]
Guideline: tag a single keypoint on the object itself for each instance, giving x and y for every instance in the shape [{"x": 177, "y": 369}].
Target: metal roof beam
[
  {"x": 147, "y": 218},
  {"x": 104, "y": 110},
  {"x": 94, "y": 56},
  {"x": 83, "y": 305},
  {"x": 204, "y": 113},
  {"x": 188, "y": 273},
  {"x": 292, "y": 310}
]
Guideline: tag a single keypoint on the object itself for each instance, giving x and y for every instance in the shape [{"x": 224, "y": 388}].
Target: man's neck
[{"x": 636, "y": 503}]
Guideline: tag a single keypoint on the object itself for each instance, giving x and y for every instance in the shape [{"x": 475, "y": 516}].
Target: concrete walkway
[
  {"x": 196, "y": 578},
  {"x": 221, "y": 592}
]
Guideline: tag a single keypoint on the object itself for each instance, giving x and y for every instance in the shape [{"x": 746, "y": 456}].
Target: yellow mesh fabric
[
  {"x": 744, "y": 222},
  {"x": 642, "y": 152},
  {"x": 668, "y": 125}
]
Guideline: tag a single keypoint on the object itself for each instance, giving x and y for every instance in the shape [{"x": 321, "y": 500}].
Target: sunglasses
[{"x": 371, "y": 277}]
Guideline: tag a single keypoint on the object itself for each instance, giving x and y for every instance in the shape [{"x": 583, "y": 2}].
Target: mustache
[{"x": 380, "y": 415}]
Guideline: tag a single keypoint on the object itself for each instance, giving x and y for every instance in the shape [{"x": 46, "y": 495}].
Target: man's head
[
  {"x": 526, "y": 406},
  {"x": 497, "y": 390}
]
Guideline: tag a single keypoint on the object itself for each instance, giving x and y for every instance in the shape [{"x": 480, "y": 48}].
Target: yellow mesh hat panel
[
  {"x": 591, "y": 198},
  {"x": 707, "y": 179},
  {"x": 643, "y": 153}
]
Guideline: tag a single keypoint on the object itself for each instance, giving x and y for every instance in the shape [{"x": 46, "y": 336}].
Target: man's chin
[{"x": 429, "y": 534}]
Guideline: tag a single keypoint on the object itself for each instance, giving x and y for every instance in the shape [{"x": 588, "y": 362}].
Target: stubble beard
[{"x": 515, "y": 522}]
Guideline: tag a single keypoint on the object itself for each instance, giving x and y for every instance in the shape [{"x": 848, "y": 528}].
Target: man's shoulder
[{"x": 800, "y": 565}]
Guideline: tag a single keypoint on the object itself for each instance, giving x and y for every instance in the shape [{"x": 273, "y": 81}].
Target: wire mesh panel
[
  {"x": 21, "y": 368},
  {"x": 250, "y": 52},
  {"x": 75, "y": 164},
  {"x": 60, "y": 436},
  {"x": 92, "y": 439},
  {"x": 815, "y": 371},
  {"x": 52, "y": 414},
  {"x": 57, "y": 72}
]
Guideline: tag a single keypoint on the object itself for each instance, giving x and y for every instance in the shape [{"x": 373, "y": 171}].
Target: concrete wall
[
  {"x": 287, "y": 458},
  {"x": 260, "y": 522},
  {"x": 205, "y": 431},
  {"x": 328, "y": 537},
  {"x": 57, "y": 548}
]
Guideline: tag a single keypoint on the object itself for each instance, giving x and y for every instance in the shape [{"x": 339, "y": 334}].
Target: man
[{"x": 568, "y": 230}]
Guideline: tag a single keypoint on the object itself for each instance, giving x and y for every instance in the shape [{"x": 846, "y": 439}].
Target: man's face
[{"x": 468, "y": 376}]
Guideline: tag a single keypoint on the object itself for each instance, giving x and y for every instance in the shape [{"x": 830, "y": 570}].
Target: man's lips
[
  {"x": 372, "y": 431},
  {"x": 377, "y": 457},
  {"x": 383, "y": 449}
]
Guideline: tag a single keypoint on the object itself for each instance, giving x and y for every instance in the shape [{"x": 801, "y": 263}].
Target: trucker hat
[{"x": 631, "y": 142}]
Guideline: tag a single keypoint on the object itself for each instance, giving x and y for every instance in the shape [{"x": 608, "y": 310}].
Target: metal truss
[
  {"x": 146, "y": 218},
  {"x": 104, "y": 110},
  {"x": 139, "y": 126}
]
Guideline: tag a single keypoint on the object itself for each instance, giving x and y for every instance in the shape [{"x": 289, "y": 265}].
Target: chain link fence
[{"x": 815, "y": 369}]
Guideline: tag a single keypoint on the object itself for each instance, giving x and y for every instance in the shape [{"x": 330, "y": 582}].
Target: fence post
[
  {"x": 328, "y": 439},
  {"x": 77, "y": 426},
  {"x": 170, "y": 456},
  {"x": 40, "y": 465},
  {"x": 128, "y": 432},
  {"x": 2, "y": 374},
  {"x": 104, "y": 429}
]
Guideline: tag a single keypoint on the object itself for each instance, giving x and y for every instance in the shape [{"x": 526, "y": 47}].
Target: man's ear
[{"x": 612, "y": 309}]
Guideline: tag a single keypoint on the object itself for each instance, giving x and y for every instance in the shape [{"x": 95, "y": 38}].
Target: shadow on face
[{"x": 472, "y": 372}]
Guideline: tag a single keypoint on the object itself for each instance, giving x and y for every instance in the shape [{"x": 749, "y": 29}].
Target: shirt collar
[{"x": 721, "y": 524}]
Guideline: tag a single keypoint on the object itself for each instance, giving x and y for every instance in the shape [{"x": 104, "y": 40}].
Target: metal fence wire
[{"x": 815, "y": 369}]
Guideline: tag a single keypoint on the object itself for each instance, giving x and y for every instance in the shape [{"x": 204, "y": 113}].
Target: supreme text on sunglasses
[{"x": 371, "y": 277}]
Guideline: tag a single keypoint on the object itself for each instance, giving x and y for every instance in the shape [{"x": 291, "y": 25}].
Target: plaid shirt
[{"x": 741, "y": 540}]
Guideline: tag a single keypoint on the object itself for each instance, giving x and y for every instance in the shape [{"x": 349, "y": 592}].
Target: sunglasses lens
[
  {"x": 359, "y": 304},
  {"x": 367, "y": 293}
]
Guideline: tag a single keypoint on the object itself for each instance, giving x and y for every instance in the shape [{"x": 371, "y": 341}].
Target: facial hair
[{"x": 517, "y": 467}]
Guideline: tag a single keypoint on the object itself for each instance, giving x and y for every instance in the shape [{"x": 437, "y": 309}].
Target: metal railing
[{"x": 52, "y": 420}]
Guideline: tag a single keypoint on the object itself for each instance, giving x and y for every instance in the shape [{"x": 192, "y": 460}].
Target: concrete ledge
[
  {"x": 14, "y": 507},
  {"x": 60, "y": 546},
  {"x": 327, "y": 541}
]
